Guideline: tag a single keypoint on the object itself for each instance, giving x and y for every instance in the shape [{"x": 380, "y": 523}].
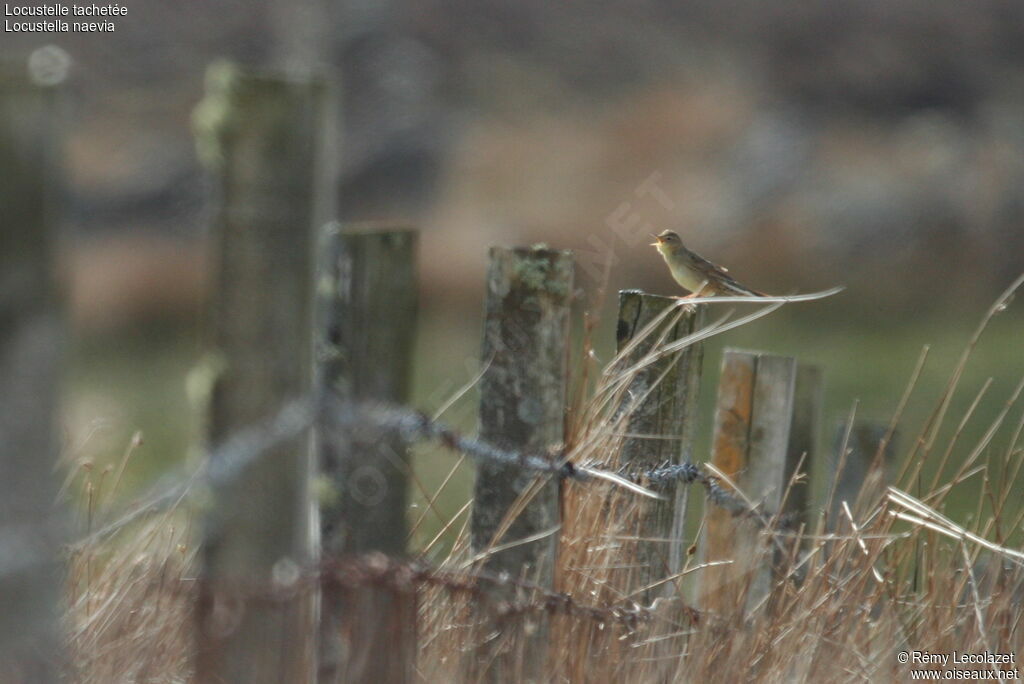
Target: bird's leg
[{"x": 704, "y": 290}]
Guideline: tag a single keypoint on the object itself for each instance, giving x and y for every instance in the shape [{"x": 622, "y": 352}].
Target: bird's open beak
[{"x": 657, "y": 240}]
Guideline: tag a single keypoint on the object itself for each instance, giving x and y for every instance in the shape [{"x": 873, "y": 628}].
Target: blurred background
[{"x": 877, "y": 144}]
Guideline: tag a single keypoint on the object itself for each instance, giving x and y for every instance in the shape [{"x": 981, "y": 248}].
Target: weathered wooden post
[
  {"x": 31, "y": 340},
  {"x": 753, "y": 418},
  {"x": 259, "y": 134},
  {"x": 661, "y": 400},
  {"x": 367, "y": 299},
  {"x": 859, "y": 473},
  {"x": 804, "y": 432},
  {"x": 522, "y": 404}
]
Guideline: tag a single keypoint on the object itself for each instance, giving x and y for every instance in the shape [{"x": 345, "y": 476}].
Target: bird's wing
[
  {"x": 721, "y": 274},
  {"x": 709, "y": 266}
]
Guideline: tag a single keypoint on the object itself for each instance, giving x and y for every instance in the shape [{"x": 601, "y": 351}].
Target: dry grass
[
  {"x": 129, "y": 606},
  {"x": 892, "y": 574}
]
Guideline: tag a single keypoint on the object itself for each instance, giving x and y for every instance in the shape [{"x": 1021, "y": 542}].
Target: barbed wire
[
  {"x": 353, "y": 573},
  {"x": 416, "y": 426},
  {"x": 227, "y": 462},
  {"x": 689, "y": 473},
  {"x": 223, "y": 465}
]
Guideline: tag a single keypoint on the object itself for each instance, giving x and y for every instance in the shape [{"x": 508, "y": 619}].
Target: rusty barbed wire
[
  {"x": 351, "y": 573},
  {"x": 378, "y": 569}
]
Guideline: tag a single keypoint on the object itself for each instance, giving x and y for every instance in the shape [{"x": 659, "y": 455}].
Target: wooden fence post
[
  {"x": 661, "y": 424},
  {"x": 367, "y": 298},
  {"x": 522, "y": 405},
  {"x": 858, "y": 474},
  {"x": 751, "y": 446},
  {"x": 260, "y": 135},
  {"x": 31, "y": 340},
  {"x": 804, "y": 432}
]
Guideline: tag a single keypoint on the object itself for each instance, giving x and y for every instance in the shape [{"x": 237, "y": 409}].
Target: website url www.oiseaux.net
[{"x": 978, "y": 675}]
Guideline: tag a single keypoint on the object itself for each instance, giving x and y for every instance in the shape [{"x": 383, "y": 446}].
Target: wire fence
[{"x": 227, "y": 462}]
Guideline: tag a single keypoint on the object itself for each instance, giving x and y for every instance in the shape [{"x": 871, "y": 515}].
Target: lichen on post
[
  {"x": 522, "y": 406},
  {"x": 259, "y": 135}
]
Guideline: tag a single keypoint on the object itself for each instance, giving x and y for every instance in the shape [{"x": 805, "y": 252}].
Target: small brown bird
[{"x": 695, "y": 273}]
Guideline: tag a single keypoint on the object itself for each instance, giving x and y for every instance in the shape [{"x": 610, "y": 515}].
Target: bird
[{"x": 695, "y": 273}]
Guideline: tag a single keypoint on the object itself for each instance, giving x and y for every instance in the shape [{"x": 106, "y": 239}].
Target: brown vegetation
[{"x": 894, "y": 575}]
